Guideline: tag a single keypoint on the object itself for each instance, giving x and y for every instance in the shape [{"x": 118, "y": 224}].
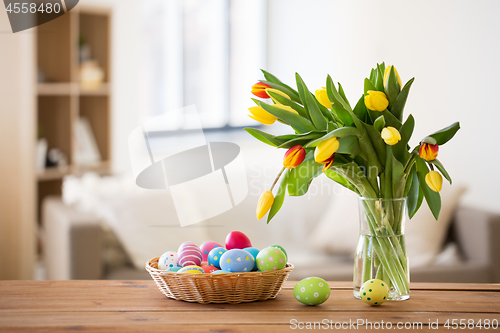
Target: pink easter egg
[
  {"x": 189, "y": 254},
  {"x": 207, "y": 247},
  {"x": 209, "y": 269},
  {"x": 237, "y": 240}
]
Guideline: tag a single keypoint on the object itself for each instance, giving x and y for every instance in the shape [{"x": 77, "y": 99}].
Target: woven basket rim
[{"x": 288, "y": 268}]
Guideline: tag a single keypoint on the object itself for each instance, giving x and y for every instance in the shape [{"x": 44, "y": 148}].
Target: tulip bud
[
  {"x": 325, "y": 150},
  {"x": 428, "y": 152},
  {"x": 328, "y": 163},
  {"x": 259, "y": 90},
  {"x": 386, "y": 75},
  {"x": 434, "y": 180},
  {"x": 265, "y": 203},
  {"x": 376, "y": 100},
  {"x": 276, "y": 91},
  {"x": 261, "y": 115},
  {"x": 322, "y": 97},
  {"x": 390, "y": 135},
  {"x": 294, "y": 156}
]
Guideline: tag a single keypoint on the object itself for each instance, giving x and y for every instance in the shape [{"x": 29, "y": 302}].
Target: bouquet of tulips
[{"x": 363, "y": 148}]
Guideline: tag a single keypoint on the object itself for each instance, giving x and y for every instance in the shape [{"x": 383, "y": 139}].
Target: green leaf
[
  {"x": 339, "y": 133},
  {"x": 301, "y": 140},
  {"x": 445, "y": 135},
  {"x": 309, "y": 101},
  {"x": 342, "y": 94},
  {"x": 379, "y": 83},
  {"x": 441, "y": 168},
  {"x": 401, "y": 148},
  {"x": 284, "y": 88},
  {"x": 415, "y": 196},
  {"x": 271, "y": 78},
  {"x": 354, "y": 175},
  {"x": 391, "y": 120},
  {"x": 398, "y": 177},
  {"x": 285, "y": 101},
  {"x": 301, "y": 177},
  {"x": 369, "y": 86},
  {"x": 340, "y": 180},
  {"x": 392, "y": 87},
  {"x": 376, "y": 143},
  {"x": 432, "y": 198},
  {"x": 398, "y": 107},
  {"x": 297, "y": 122},
  {"x": 373, "y": 75},
  {"x": 339, "y": 106},
  {"x": 429, "y": 140},
  {"x": 360, "y": 110},
  {"x": 349, "y": 145},
  {"x": 263, "y": 136},
  {"x": 379, "y": 123},
  {"x": 279, "y": 198}
]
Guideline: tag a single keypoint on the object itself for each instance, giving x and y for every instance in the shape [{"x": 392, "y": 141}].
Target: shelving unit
[{"x": 60, "y": 98}]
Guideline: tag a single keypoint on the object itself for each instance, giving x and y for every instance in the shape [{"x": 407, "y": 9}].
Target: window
[{"x": 202, "y": 52}]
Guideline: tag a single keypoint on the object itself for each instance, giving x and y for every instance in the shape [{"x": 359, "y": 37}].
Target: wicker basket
[{"x": 219, "y": 288}]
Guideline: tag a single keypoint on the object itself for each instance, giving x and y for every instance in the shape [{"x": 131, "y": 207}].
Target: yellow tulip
[
  {"x": 265, "y": 203},
  {"x": 390, "y": 135},
  {"x": 286, "y": 107},
  {"x": 322, "y": 97},
  {"x": 276, "y": 91},
  {"x": 376, "y": 100},
  {"x": 434, "y": 180},
  {"x": 261, "y": 115},
  {"x": 386, "y": 75},
  {"x": 325, "y": 150}
]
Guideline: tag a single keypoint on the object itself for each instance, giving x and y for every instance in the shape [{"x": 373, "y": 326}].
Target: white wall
[{"x": 451, "y": 48}]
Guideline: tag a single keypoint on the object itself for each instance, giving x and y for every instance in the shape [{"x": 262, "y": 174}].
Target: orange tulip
[
  {"x": 294, "y": 156},
  {"x": 259, "y": 90},
  {"x": 428, "y": 152}
]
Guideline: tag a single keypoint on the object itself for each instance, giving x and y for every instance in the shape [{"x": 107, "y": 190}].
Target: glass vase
[{"x": 381, "y": 251}]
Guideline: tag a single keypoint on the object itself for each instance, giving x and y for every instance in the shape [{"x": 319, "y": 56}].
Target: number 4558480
[
  {"x": 32, "y": 8},
  {"x": 471, "y": 324}
]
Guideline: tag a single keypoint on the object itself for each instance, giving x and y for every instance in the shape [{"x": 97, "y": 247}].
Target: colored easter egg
[
  {"x": 191, "y": 269},
  {"x": 311, "y": 291},
  {"x": 207, "y": 247},
  {"x": 168, "y": 260},
  {"x": 254, "y": 252},
  {"x": 237, "y": 240},
  {"x": 220, "y": 272},
  {"x": 214, "y": 256},
  {"x": 174, "y": 269},
  {"x": 208, "y": 269},
  {"x": 189, "y": 254},
  {"x": 374, "y": 292},
  {"x": 237, "y": 260},
  {"x": 282, "y": 249},
  {"x": 271, "y": 259}
]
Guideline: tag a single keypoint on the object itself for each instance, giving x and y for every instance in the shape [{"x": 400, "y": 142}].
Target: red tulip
[
  {"x": 428, "y": 152},
  {"x": 294, "y": 156},
  {"x": 259, "y": 90}
]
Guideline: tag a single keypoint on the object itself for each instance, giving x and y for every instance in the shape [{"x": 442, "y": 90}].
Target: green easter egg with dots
[
  {"x": 311, "y": 291},
  {"x": 282, "y": 249},
  {"x": 271, "y": 259},
  {"x": 374, "y": 292}
]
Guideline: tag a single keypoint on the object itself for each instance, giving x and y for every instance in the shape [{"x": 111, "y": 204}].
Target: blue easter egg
[
  {"x": 220, "y": 272},
  {"x": 214, "y": 256},
  {"x": 237, "y": 260},
  {"x": 254, "y": 252}
]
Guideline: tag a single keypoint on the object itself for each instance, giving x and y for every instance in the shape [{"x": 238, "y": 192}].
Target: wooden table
[{"x": 132, "y": 306}]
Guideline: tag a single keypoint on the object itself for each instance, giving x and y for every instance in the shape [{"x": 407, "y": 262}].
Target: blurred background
[{"x": 73, "y": 89}]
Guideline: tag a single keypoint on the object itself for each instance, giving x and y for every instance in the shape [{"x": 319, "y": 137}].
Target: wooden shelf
[
  {"x": 66, "y": 89},
  {"x": 102, "y": 168},
  {"x": 62, "y": 100}
]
